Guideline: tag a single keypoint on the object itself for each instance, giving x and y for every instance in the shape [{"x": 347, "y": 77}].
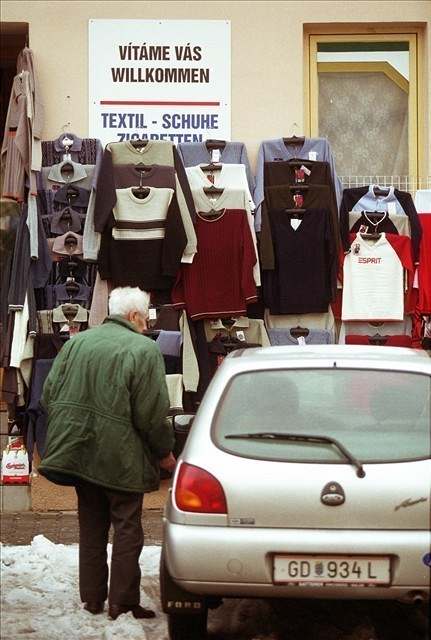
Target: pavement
[{"x": 62, "y": 527}]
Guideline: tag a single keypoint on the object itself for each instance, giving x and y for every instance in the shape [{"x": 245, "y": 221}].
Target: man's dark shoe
[
  {"x": 94, "y": 607},
  {"x": 116, "y": 610}
]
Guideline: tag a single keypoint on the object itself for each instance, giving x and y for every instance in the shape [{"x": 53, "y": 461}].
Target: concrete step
[{"x": 15, "y": 498}]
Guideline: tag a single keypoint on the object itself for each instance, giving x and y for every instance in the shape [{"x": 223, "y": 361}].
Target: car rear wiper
[{"x": 300, "y": 437}]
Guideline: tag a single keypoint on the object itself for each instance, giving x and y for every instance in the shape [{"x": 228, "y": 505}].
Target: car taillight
[{"x": 198, "y": 491}]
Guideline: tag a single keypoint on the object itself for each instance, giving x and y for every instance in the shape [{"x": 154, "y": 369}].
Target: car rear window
[{"x": 379, "y": 416}]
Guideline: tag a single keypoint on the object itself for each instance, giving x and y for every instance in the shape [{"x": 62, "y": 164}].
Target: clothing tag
[
  {"x": 392, "y": 208},
  {"x": 363, "y": 228},
  {"x": 67, "y": 142},
  {"x": 152, "y": 314},
  {"x": 64, "y": 328},
  {"x": 219, "y": 359},
  {"x": 210, "y": 177},
  {"x": 312, "y": 155},
  {"x": 215, "y": 155},
  {"x": 356, "y": 248},
  {"x": 416, "y": 280},
  {"x": 298, "y": 199},
  {"x": 306, "y": 170},
  {"x": 73, "y": 330},
  {"x": 240, "y": 335},
  {"x": 295, "y": 222},
  {"x": 299, "y": 176},
  {"x": 301, "y": 340}
]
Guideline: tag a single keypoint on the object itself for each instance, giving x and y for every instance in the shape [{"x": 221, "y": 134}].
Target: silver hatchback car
[{"x": 306, "y": 474}]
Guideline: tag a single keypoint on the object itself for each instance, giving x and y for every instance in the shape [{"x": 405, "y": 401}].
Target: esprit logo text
[{"x": 369, "y": 260}]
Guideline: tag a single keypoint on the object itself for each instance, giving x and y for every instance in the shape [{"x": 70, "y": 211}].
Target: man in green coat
[{"x": 107, "y": 400}]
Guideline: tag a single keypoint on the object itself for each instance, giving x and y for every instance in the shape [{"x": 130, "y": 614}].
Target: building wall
[{"x": 267, "y": 53}]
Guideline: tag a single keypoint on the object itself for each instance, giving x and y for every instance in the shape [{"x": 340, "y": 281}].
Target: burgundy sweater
[{"x": 219, "y": 283}]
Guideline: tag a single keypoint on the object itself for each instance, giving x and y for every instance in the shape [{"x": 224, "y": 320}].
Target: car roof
[{"x": 346, "y": 354}]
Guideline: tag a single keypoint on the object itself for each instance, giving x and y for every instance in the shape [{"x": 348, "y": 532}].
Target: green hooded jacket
[{"x": 107, "y": 400}]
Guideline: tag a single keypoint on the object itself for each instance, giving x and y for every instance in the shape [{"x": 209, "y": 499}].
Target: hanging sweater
[
  {"x": 282, "y": 197},
  {"x": 159, "y": 152},
  {"x": 145, "y": 245},
  {"x": 373, "y": 278},
  {"x": 219, "y": 283},
  {"x": 194, "y": 153},
  {"x": 311, "y": 149},
  {"x": 302, "y": 281},
  {"x": 364, "y": 199},
  {"x": 231, "y": 176},
  {"x": 230, "y": 199}
]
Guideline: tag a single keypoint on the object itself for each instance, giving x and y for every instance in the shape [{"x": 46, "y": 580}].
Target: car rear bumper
[{"x": 234, "y": 561}]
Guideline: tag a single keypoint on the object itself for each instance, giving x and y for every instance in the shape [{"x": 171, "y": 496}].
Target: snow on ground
[
  {"x": 40, "y": 601},
  {"x": 40, "y": 598}
]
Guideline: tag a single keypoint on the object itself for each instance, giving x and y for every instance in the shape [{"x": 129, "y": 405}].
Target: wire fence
[{"x": 403, "y": 183}]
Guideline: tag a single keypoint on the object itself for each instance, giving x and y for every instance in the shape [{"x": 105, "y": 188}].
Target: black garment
[
  {"x": 386, "y": 225},
  {"x": 20, "y": 270},
  {"x": 221, "y": 346},
  {"x": 47, "y": 345},
  {"x": 167, "y": 318},
  {"x": 305, "y": 261},
  {"x": 172, "y": 364},
  {"x": 11, "y": 218},
  {"x": 76, "y": 197},
  {"x": 73, "y": 266},
  {"x": 9, "y": 390},
  {"x": 352, "y": 196},
  {"x": 98, "y": 508},
  {"x": 37, "y": 427},
  {"x": 282, "y": 197},
  {"x": 6, "y": 319},
  {"x": 288, "y": 172}
]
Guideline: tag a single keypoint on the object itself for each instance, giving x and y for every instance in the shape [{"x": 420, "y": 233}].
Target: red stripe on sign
[{"x": 161, "y": 103}]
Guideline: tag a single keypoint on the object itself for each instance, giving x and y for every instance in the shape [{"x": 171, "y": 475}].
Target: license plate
[{"x": 318, "y": 570}]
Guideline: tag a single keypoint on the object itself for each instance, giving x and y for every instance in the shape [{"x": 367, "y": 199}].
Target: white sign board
[{"x": 159, "y": 79}]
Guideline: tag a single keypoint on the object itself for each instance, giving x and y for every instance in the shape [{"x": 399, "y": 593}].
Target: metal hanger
[
  {"x": 374, "y": 235},
  {"x": 377, "y": 339},
  {"x": 139, "y": 144},
  {"x": 215, "y": 144},
  {"x": 72, "y": 287},
  {"x": 141, "y": 191},
  {"x": 380, "y": 191},
  {"x": 211, "y": 213},
  {"x": 212, "y": 166},
  {"x": 213, "y": 190},
  {"x": 293, "y": 139},
  {"x": 299, "y": 332},
  {"x": 141, "y": 167}
]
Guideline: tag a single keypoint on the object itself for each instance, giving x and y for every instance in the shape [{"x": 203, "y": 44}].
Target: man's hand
[{"x": 168, "y": 463}]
